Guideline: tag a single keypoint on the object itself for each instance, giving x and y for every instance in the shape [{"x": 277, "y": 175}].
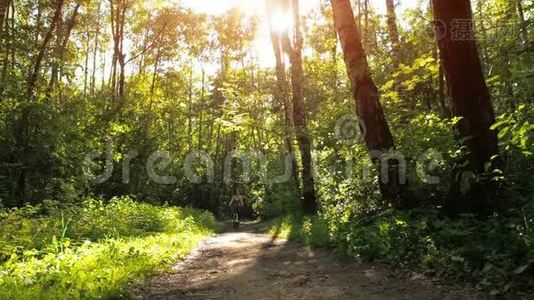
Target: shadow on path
[{"x": 250, "y": 264}]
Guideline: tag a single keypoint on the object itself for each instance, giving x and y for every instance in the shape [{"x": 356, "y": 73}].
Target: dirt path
[{"x": 251, "y": 265}]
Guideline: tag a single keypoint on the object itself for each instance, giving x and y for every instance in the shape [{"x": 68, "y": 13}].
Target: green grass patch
[{"x": 94, "y": 250}]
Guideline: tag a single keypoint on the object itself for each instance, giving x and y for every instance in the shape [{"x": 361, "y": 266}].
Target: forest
[{"x": 396, "y": 133}]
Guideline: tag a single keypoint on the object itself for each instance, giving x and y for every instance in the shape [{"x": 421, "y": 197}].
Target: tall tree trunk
[
  {"x": 473, "y": 190},
  {"x": 294, "y": 51},
  {"x": 34, "y": 74},
  {"x": 115, "y": 32},
  {"x": 441, "y": 96},
  {"x": 122, "y": 56},
  {"x": 393, "y": 30},
  {"x": 190, "y": 114},
  {"x": 4, "y": 12},
  {"x": 95, "y": 50},
  {"x": 60, "y": 51},
  {"x": 441, "y": 92},
  {"x": 13, "y": 52},
  {"x": 283, "y": 91},
  {"x": 378, "y": 137},
  {"x": 153, "y": 83},
  {"x": 200, "y": 118},
  {"x": 394, "y": 39},
  {"x": 38, "y": 20},
  {"x": 6, "y": 41},
  {"x": 523, "y": 24},
  {"x": 86, "y": 66},
  {"x": 483, "y": 31}
]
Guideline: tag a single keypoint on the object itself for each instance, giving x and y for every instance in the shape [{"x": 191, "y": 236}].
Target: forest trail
[{"x": 250, "y": 264}]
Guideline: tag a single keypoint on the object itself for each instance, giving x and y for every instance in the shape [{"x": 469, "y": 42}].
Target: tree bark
[
  {"x": 4, "y": 10},
  {"x": 300, "y": 119},
  {"x": 441, "y": 96},
  {"x": 378, "y": 138},
  {"x": 6, "y": 41},
  {"x": 473, "y": 190},
  {"x": 34, "y": 74}
]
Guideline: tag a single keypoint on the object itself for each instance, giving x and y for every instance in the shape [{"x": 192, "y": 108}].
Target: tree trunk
[
  {"x": 190, "y": 114},
  {"x": 201, "y": 108},
  {"x": 95, "y": 50},
  {"x": 393, "y": 33},
  {"x": 378, "y": 138},
  {"x": 441, "y": 96},
  {"x": 6, "y": 41},
  {"x": 294, "y": 51},
  {"x": 13, "y": 52},
  {"x": 86, "y": 66},
  {"x": 394, "y": 39},
  {"x": 473, "y": 190},
  {"x": 60, "y": 52},
  {"x": 441, "y": 92},
  {"x": 38, "y": 20},
  {"x": 121, "y": 56},
  {"x": 153, "y": 83},
  {"x": 483, "y": 31},
  {"x": 523, "y": 24},
  {"x": 4, "y": 11},
  {"x": 117, "y": 9},
  {"x": 283, "y": 92},
  {"x": 34, "y": 74}
]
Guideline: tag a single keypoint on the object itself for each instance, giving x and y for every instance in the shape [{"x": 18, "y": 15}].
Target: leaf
[{"x": 520, "y": 269}]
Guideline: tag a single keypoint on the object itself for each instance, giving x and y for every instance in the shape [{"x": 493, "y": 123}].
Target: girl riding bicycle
[{"x": 236, "y": 204}]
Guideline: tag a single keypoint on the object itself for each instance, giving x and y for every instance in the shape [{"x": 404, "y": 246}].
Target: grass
[
  {"x": 94, "y": 250},
  {"x": 310, "y": 231}
]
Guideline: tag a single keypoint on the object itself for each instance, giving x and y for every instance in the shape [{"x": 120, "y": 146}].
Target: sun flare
[{"x": 280, "y": 22}]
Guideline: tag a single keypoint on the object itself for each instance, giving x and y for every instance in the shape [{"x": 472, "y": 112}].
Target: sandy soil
[{"x": 251, "y": 265}]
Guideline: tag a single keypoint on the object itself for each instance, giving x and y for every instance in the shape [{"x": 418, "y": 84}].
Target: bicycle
[{"x": 236, "y": 220}]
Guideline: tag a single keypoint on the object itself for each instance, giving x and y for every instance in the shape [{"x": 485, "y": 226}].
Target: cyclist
[{"x": 236, "y": 204}]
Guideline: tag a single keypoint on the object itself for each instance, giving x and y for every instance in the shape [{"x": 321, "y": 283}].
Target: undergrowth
[
  {"x": 496, "y": 254},
  {"x": 93, "y": 250}
]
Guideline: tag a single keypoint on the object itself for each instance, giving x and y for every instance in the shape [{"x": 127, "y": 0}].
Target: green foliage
[
  {"x": 496, "y": 254},
  {"x": 491, "y": 253},
  {"x": 193, "y": 82},
  {"x": 516, "y": 136},
  {"x": 94, "y": 250},
  {"x": 311, "y": 231}
]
